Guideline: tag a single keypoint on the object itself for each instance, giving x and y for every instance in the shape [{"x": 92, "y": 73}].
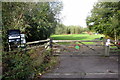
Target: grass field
[{"x": 82, "y": 36}]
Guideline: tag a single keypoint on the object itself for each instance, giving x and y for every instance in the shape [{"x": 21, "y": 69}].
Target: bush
[
  {"x": 16, "y": 66},
  {"x": 26, "y": 65}
]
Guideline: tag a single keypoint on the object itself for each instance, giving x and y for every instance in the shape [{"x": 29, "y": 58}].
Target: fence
[
  {"x": 34, "y": 45},
  {"x": 115, "y": 50},
  {"x": 81, "y": 42},
  {"x": 107, "y": 49},
  {"x": 48, "y": 44}
]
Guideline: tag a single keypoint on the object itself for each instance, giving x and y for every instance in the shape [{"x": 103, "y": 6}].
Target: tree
[
  {"x": 62, "y": 29},
  {"x": 12, "y": 18},
  {"x": 104, "y": 18},
  {"x": 37, "y": 20}
]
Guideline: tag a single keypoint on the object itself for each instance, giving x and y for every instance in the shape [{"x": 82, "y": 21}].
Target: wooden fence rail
[
  {"x": 46, "y": 45},
  {"x": 36, "y": 42}
]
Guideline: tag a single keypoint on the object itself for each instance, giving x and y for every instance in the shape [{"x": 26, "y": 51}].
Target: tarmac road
[{"x": 85, "y": 66}]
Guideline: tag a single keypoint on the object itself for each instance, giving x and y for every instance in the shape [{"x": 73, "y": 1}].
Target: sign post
[{"x": 16, "y": 39}]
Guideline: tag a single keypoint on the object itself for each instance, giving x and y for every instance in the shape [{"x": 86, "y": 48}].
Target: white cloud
[{"x": 76, "y": 11}]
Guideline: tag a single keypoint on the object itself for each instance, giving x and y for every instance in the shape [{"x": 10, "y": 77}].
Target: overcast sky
[{"x": 75, "y": 11}]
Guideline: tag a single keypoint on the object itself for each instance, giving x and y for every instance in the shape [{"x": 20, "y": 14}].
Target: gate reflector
[{"x": 77, "y": 47}]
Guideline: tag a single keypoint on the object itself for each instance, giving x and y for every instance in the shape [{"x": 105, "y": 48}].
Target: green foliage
[
  {"x": 36, "y": 20},
  {"x": 42, "y": 21},
  {"x": 16, "y": 66},
  {"x": 62, "y": 29},
  {"x": 105, "y": 19},
  {"x": 24, "y": 66}
]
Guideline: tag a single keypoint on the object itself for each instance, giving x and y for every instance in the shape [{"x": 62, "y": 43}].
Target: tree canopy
[{"x": 104, "y": 19}]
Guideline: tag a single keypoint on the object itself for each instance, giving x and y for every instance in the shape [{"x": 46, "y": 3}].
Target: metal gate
[{"x": 77, "y": 47}]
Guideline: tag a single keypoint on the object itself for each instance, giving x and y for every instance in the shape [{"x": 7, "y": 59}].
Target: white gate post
[{"x": 107, "y": 47}]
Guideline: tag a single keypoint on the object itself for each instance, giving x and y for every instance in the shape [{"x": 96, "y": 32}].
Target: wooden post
[
  {"x": 50, "y": 41},
  {"x": 9, "y": 47},
  {"x": 104, "y": 41},
  {"x": 115, "y": 36}
]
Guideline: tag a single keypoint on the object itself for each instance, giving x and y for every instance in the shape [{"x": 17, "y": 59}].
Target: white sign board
[{"x": 23, "y": 38}]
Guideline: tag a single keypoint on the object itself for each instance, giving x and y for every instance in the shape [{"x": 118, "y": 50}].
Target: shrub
[
  {"x": 16, "y": 66},
  {"x": 26, "y": 65}
]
